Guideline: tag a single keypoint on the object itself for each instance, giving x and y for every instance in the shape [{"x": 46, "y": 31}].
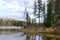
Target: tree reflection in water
[
  {"x": 39, "y": 37},
  {"x": 34, "y": 37}
]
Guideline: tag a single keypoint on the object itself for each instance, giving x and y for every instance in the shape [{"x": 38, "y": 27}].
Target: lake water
[
  {"x": 12, "y": 36},
  {"x": 15, "y": 36},
  {"x": 22, "y": 36}
]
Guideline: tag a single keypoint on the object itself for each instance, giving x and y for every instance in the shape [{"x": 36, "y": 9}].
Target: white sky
[{"x": 15, "y": 8}]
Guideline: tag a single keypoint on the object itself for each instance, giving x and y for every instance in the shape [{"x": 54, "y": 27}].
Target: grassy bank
[{"x": 40, "y": 30}]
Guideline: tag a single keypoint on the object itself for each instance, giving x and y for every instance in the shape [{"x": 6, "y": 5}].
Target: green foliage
[
  {"x": 57, "y": 12},
  {"x": 16, "y": 23},
  {"x": 49, "y": 19}
]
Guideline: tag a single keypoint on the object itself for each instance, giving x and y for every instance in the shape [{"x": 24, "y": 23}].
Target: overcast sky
[{"x": 15, "y": 8}]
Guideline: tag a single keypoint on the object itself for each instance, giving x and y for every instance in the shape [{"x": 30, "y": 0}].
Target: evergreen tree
[
  {"x": 35, "y": 10},
  {"x": 39, "y": 9},
  {"x": 27, "y": 17},
  {"x": 44, "y": 14},
  {"x": 49, "y": 20},
  {"x": 57, "y": 12}
]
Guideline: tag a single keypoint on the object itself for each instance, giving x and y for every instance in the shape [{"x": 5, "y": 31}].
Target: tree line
[{"x": 49, "y": 11}]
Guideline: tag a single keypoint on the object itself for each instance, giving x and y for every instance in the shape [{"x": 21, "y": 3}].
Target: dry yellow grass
[
  {"x": 52, "y": 36},
  {"x": 36, "y": 31}
]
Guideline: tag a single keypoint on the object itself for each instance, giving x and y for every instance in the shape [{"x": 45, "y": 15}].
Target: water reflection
[
  {"x": 12, "y": 36},
  {"x": 34, "y": 37},
  {"x": 23, "y": 36},
  {"x": 40, "y": 37}
]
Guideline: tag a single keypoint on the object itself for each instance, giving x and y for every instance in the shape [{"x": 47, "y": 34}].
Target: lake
[{"x": 22, "y": 36}]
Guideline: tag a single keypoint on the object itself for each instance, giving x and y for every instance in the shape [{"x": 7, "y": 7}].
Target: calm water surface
[
  {"x": 12, "y": 36},
  {"x": 22, "y": 36},
  {"x": 17, "y": 36}
]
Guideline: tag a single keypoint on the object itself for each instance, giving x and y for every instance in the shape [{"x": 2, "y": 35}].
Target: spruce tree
[
  {"x": 35, "y": 10},
  {"x": 49, "y": 19},
  {"x": 27, "y": 18},
  {"x": 44, "y": 14},
  {"x": 57, "y": 12},
  {"x": 39, "y": 9}
]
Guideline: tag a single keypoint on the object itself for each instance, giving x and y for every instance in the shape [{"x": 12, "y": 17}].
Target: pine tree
[
  {"x": 49, "y": 20},
  {"x": 27, "y": 18},
  {"x": 39, "y": 9},
  {"x": 57, "y": 12},
  {"x": 35, "y": 10},
  {"x": 44, "y": 14}
]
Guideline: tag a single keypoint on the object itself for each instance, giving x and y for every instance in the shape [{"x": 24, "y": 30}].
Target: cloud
[
  {"x": 10, "y": 9},
  {"x": 15, "y": 8}
]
